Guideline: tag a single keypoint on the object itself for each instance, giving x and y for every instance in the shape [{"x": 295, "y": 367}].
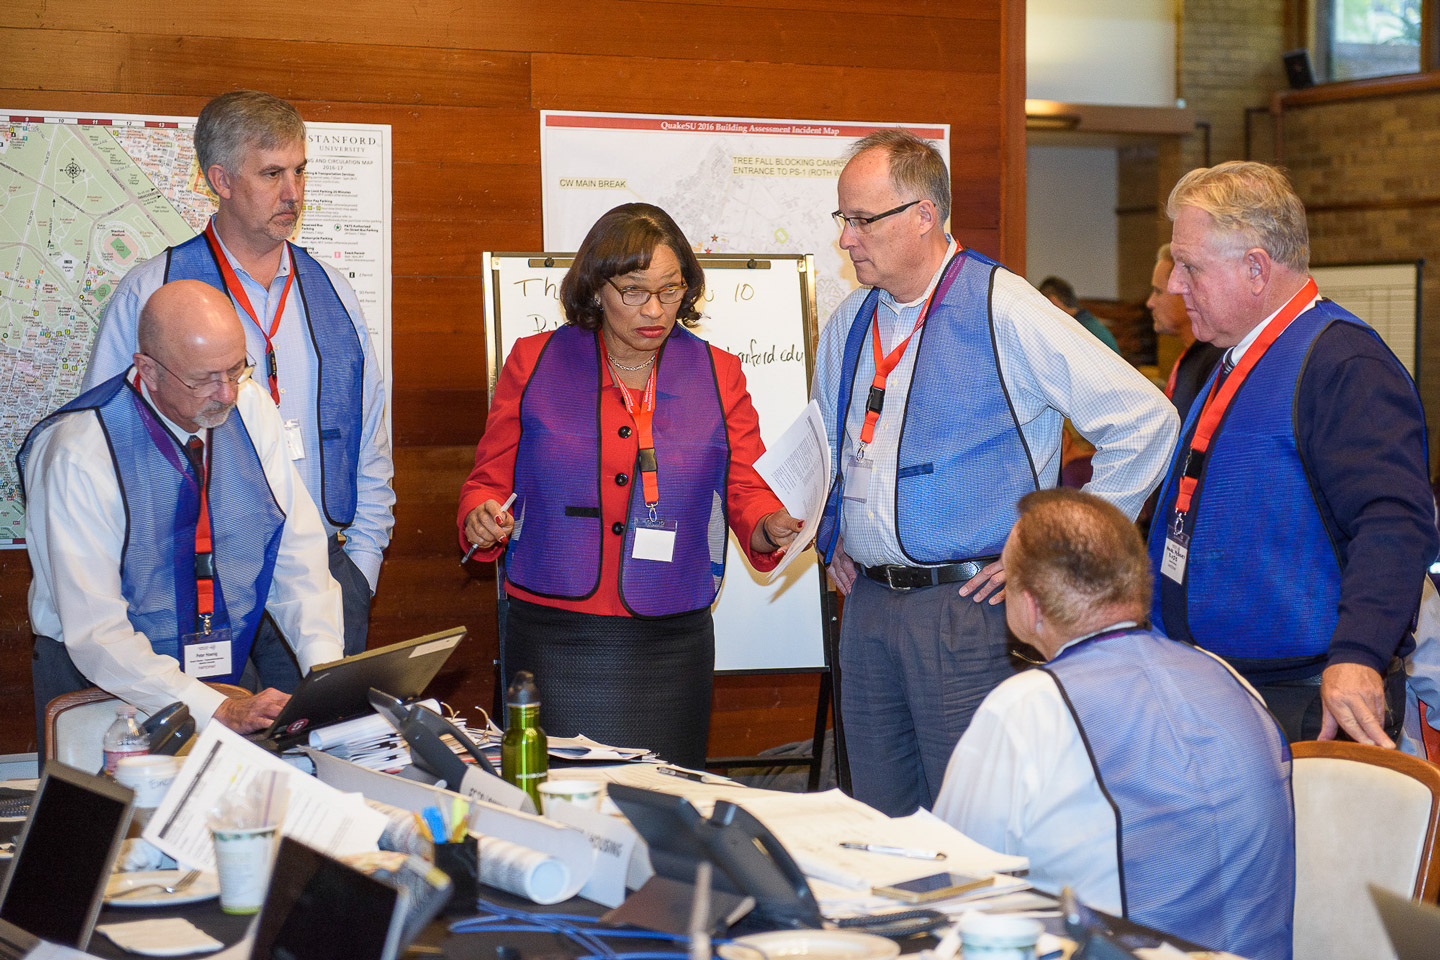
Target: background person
[
  {"x": 1167, "y": 312},
  {"x": 1060, "y": 293},
  {"x": 629, "y": 442},
  {"x": 1141, "y": 771}
]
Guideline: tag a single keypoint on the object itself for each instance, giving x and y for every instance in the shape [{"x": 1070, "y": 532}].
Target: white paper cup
[
  {"x": 243, "y": 857},
  {"x": 987, "y": 937},
  {"x": 582, "y": 793},
  {"x": 149, "y": 776}
]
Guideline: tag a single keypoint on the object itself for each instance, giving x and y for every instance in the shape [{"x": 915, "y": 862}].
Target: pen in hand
[
  {"x": 895, "y": 851},
  {"x": 475, "y": 546}
]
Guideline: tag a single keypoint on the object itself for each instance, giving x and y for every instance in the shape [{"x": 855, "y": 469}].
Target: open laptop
[
  {"x": 318, "y": 908},
  {"x": 56, "y": 883},
  {"x": 1413, "y": 928},
  {"x": 338, "y": 691}
]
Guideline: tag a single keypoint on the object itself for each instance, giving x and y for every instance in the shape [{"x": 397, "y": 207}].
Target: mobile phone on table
[{"x": 937, "y": 886}]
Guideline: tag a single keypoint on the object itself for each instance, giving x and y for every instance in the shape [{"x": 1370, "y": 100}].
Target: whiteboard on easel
[
  {"x": 1384, "y": 295},
  {"x": 761, "y": 309}
]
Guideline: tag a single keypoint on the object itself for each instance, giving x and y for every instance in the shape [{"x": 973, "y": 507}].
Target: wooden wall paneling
[
  {"x": 767, "y": 33},
  {"x": 869, "y": 90},
  {"x": 147, "y": 63}
]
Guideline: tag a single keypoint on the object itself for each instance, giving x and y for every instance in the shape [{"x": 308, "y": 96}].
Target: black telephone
[
  {"x": 751, "y": 866},
  {"x": 752, "y": 869}
]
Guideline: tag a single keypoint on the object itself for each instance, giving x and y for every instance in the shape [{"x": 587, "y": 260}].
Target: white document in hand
[{"x": 797, "y": 468}]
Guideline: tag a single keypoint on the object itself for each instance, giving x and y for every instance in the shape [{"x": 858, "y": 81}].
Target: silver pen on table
[{"x": 895, "y": 851}]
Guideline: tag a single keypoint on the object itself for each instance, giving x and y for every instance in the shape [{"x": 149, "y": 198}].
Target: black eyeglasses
[
  {"x": 862, "y": 224},
  {"x": 209, "y": 386},
  {"x": 639, "y": 296}
]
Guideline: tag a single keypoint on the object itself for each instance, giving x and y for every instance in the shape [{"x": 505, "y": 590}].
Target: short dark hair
[
  {"x": 1074, "y": 552},
  {"x": 622, "y": 241},
  {"x": 242, "y": 118},
  {"x": 1060, "y": 290},
  {"x": 916, "y": 167}
]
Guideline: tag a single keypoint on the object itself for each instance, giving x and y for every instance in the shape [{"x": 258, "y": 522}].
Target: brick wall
[{"x": 1366, "y": 170}]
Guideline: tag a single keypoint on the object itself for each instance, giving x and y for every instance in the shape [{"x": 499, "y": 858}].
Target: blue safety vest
[
  {"x": 1262, "y": 576},
  {"x": 558, "y": 542},
  {"x": 962, "y": 464},
  {"x": 340, "y": 360},
  {"x": 162, "y": 503},
  {"x": 1198, "y": 775}
]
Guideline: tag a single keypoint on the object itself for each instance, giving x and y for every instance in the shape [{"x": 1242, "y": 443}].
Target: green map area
[{"x": 80, "y": 204}]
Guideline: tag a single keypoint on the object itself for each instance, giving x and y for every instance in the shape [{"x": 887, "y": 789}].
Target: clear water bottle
[{"x": 124, "y": 738}]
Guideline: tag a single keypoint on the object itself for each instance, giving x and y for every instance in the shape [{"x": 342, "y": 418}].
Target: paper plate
[
  {"x": 816, "y": 944},
  {"x": 206, "y": 885}
]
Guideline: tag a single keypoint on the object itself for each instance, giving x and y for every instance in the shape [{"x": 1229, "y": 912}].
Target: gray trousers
[
  {"x": 914, "y": 666},
  {"x": 272, "y": 662}
]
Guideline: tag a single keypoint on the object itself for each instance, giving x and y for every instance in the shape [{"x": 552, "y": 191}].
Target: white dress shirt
[
  {"x": 1020, "y": 781},
  {"x": 76, "y": 533},
  {"x": 369, "y": 534},
  {"x": 1052, "y": 367}
]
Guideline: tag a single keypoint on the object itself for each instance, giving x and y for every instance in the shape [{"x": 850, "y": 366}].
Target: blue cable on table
[{"x": 575, "y": 927}]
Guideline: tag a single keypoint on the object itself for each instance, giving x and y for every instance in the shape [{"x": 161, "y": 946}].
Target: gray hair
[
  {"x": 1253, "y": 203},
  {"x": 241, "y": 118},
  {"x": 916, "y": 167}
]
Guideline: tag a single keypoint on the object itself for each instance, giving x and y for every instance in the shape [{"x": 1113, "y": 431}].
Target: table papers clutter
[
  {"x": 222, "y": 763},
  {"x": 373, "y": 743}
]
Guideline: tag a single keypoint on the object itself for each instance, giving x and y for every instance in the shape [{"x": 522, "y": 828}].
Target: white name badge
[
  {"x": 654, "y": 540},
  {"x": 294, "y": 439},
  {"x": 206, "y": 658},
  {"x": 1172, "y": 561},
  {"x": 857, "y": 480}
]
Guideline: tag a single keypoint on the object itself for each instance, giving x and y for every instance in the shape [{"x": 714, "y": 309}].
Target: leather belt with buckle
[{"x": 908, "y": 578}]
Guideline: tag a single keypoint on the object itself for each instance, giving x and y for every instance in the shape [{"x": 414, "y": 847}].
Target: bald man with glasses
[
  {"x": 165, "y": 519},
  {"x": 944, "y": 388}
]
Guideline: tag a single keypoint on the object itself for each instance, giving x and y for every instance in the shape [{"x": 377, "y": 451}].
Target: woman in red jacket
[{"x": 629, "y": 444}]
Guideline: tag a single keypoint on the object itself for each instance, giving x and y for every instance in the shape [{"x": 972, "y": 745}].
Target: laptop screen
[
  {"x": 64, "y": 856},
  {"x": 317, "y": 908}
]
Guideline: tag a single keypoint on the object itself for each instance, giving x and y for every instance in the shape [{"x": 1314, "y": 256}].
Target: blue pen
[{"x": 435, "y": 822}]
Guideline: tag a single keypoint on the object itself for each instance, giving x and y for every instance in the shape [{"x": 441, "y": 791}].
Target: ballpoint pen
[
  {"x": 682, "y": 773},
  {"x": 475, "y": 546},
  {"x": 895, "y": 851}
]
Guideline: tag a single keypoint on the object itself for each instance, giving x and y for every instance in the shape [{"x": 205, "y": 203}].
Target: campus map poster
[
  {"x": 733, "y": 185},
  {"x": 85, "y": 198}
]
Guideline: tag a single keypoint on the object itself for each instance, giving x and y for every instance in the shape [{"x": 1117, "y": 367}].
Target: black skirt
[{"x": 619, "y": 680}]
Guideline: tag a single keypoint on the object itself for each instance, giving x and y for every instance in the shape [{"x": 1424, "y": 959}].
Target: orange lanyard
[
  {"x": 237, "y": 293},
  {"x": 885, "y": 363},
  {"x": 643, "y": 414},
  {"x": 1174, "y": 372},
  {"x": 1218, "y": 401},
  {"x": 204, "y": 555}
]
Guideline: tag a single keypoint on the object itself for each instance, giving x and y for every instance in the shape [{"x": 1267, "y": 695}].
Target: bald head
[{"x": 192, "y": 348}]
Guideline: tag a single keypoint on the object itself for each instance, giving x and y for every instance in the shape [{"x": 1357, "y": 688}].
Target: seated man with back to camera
[
  {"x": 1141, "y": 771},
  {"x": 132, "y": 590}
]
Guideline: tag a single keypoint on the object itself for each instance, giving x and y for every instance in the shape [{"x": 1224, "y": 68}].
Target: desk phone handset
[
  {"x": 751, "y": 867},
  {"x": 422, "y": 729}
]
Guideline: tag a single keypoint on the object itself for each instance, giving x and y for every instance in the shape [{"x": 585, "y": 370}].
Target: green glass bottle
[{"x": 524, "y": 759}]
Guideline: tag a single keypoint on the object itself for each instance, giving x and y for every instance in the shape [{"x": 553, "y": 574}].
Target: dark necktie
[
  {"x": 1226, "y": 365},
  {"x": 195, "y": 450}
]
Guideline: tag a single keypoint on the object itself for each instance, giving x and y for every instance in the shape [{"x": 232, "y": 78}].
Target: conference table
[{"x": 438, "y": 942}]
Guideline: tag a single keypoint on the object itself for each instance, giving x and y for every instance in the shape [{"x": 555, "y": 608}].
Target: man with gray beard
[{"x": 162, "y": 527}]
